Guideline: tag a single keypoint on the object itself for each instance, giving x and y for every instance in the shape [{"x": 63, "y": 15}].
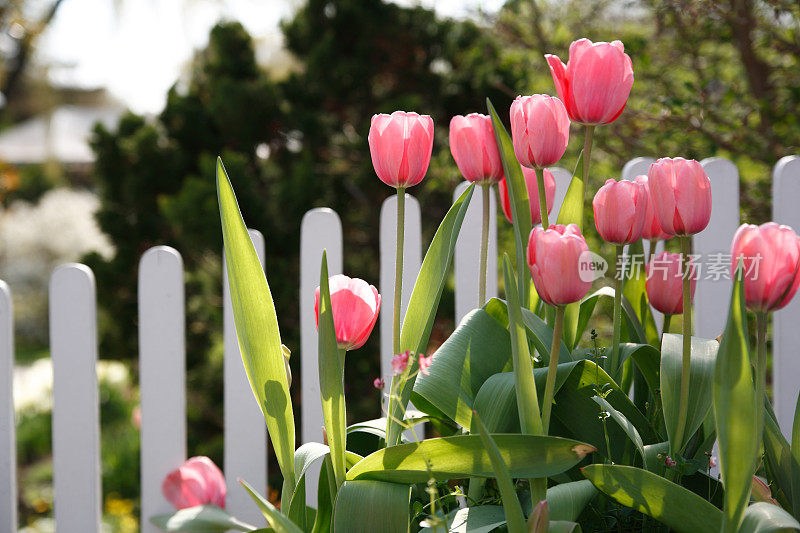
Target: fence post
[
  {"x": 8, "y": 442},
  {"x": 320, "y": 229},
  {"x": 563, "y": 178},
  {"x": 245, "y": 453},
  {"x": 162, "y": 376},
  {"x": 76, "y": 415},
  {"x": 785, "y": 330}
]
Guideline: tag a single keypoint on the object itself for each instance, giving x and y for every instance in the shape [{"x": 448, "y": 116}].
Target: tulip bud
[
  {"x": 400, "y": 145},
  {"x": 596, "y": 81},
  {"x": 681, "y": 195},
  {"x": 619, "y": 211},
  {"x": 555, "y": 258},
  {"x": 539, "y": 129},
  {"x": 355, "y": 305},
  {"x": 474, "y": 148},
  {"x": 539, "y": 520},
  {"x": 198, "y": 481},
  {"x": 771, "y": 256},
  {"x": 652, "y": 229},
  {"x": 664, "y": 284},
  {"x": 533, "y": 194}
]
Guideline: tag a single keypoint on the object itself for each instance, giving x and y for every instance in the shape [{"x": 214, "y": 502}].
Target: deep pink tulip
[
  {"x": 355, "y": 305},
  {"x": 198, "y": 481},
  {"x": 555, "y": 257},
  {"x": 400, "y": 145},
  {"x": 771, "y": 255},
  {"x": 533, "y": 194},
  {"x": 681, "y": 194},
  {"x": 652, "y": 229},
  {"x": 474, "y": 148},
  {"x": 664, "y": 284},
  {"x": 596, "y": 81},
  {"x": 539, "y": 129},
  {"x": 619, "y": 211}
]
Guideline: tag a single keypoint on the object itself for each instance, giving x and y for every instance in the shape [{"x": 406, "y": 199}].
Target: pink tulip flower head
[
  {"x": 681, "y": 194},
  {"x": 619, "y": 211},
  {"x": 474, "y": 148},
  {"x": 664, "y": 282},
  {"x": 355, "y": 305},
  {"x": 771, "y": 257},
  {"x": 539, "y": 129},
  {"x": 400, "y": 145},
  {"x": 652, "y": 229},
  {"x": 198, "y": 481},
  {"x": 555, "y": 258},
  {"x": 533, "y": 194},
  {"x": 596, "y": 81}
]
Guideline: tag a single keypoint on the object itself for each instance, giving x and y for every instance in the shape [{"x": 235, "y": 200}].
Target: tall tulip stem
[
  {"x": 552, "y": 369},
  {"x": 617, "y": 312},
  {"x": 398, "y": 268},
  {"x": 683, "y": 406},
  {"x": 542, "y": 197},
  {"x": 761, "y": 367},
  {"x": 486, "y": 190},
  {"x": 587, "y": 153},
  {"x": 667, "y": 322}
]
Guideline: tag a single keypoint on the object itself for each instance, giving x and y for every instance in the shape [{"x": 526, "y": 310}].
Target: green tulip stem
[
  {"x": 552, "y": 369},
  {"x": 542, "y": 197},
  {"x": 683, "y": 406},
  {"x": 487, "y": 190},
  {"x": 761, "y": 367},
  {"x": 398, "y": 268},
  {"x": 667, "y": 322},
  {"x": 587, "y": 153},
  {"x": 617, "y": 313}
]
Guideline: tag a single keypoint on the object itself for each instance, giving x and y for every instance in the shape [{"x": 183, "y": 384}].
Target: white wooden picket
[
  {"x": 76, "y": 415},
  {"x": 8, "y": 442},
  {"x": 245, "y": 453},
  {"x": 562, "y": 177}
]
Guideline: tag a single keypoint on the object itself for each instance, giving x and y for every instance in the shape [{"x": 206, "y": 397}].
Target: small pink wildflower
[
  {"x": 378, "y": 383},
  {"x": 424, "y": 363},
  {"x": 712, "y": 461},
  {"x": 669, "y": 462},
  {"x": 400, "y": 362}
]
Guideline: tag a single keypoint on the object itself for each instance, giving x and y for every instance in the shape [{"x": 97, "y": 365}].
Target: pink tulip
[
  {"x": 400, "y": 145},
  {"x": 664, "y": 284},
  {"x": 540, "y": 130},
  {"x": 596, "y": 81},
  {"x": 355, "y": 305},
  {"x": 619, "y": 211},
  {"x": 533, "y": 194},
  {"x": 474, "y": 148},
  {"x": 652, "y": 229},
  {"x": 198, "y": 481},
  {"x": 771, "y": 256},
  {"x": 681, "y": 195},
  {"x": 555, "y": 257}
]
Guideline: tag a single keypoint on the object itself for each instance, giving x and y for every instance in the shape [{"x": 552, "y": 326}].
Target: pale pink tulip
[
  {"x": 533, "y": 194},
  {"x": 198, "y": 481},
  {"x": 652, "y": 229},
  {"x": 400, "y": 145},
  {"x": 771, "y": 256},
  {"x": 619, "y": 211},
  {"x": 474, "y": 148},
  {"x": 539, "y": 130},
  {"x": 355, "y": 305},
  {"x": 596, "y": 81},
  {"x": 664, "y": 282},
  {"x": 681, "y": 194},
  {"x": 555, "y": 256}
]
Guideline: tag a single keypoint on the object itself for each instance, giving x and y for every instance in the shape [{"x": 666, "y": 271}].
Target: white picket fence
[{"x": 73, "y": 342}]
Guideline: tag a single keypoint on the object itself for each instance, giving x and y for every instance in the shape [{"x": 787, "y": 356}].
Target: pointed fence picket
[{"x": 76, "y": 452}]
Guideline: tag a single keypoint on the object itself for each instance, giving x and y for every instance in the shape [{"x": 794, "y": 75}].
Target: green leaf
[
  {"x": 648, "y": 361},
  {"x": 331, "y": 378},
  {"x": 325, "y": 487},
  {"x": 463, "y": 456},
  {"x": 370, "y": 506},
  {"x": 779, "y": 460},
  {"x": 424, "y": 302},
  {"x": 635, "y": 292},
  {"x": 626, "y": 426},
  {"x": 701, "y": 376},
  {"x": 735, "y": 410},
  {"x": 568, "y": 500},
  {"x": 200, "y": 519},
  {"x": 648, "y": 493},
  {"x": 636, "y": 331},
  {"x": 257, "y": 327},
  {"x": 277, "y": 521},
  {"x": 515, "y": 520},
  {"x": 480, "y": 519},
  {"x": 572, "y": 207},
  {"x": 765, "y": 518},
  {"x": 304, "y": 457},
  {"x": 542, "y": 337},
  {"x": 795, "y": 463},
  {"x": 297, "y": 507}
]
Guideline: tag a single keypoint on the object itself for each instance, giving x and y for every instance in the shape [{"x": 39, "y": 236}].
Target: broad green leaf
[
  {"x": 515, "y": 520},
  {"x": 632, "y": 325},
  {"x": 277, "y": 521},
  {"x": 424, "y": 302},
  {"x": 297, "y": 507},
  {"x": 765, "y": 517},
  {"x": 779, "y": 460},
  {"x": 701, "y": 376},
  {"x": 331, "y": 378},
  {"x": 543, "y": 337},
  {"x": 370, "y": 506},
  {"x": 572, "y": 207},
  {"x": 648, "y": 361},
  {"x": 626, "y": 426},
  {"x": 735, "y": 410},
  {"x": 648, "y": 493},
  {"x": 463, "y": 456},
  {"x": 480, "y": 519},
  {"x": 257, "y": 327},
  {"x": 568, "y": 500},
  {"x": 304, "y": 457},
  {"x": 200, "y": 519},
  {"x": 325, "y": 499},
  {"x": 795, "y": 464}
]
